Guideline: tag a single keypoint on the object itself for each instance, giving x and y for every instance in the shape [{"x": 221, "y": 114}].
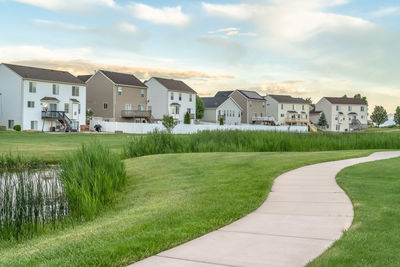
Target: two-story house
[
  {"x": 253, "y": 106},
  {"x": 222, "y": 107},
  {"x": 287, "y": 110},
  {"x": 116, "y": 96},
  {"x": 41, "y": 99},
  {"x": 170, "y": 97},
  {"x": 344, "y": 114}
]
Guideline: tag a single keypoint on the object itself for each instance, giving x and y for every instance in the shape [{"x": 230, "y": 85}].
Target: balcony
[
  {"x": 268, "y": 118},
  {"x": 135, "y": 114},
  {"x": 53, "y": 115}
]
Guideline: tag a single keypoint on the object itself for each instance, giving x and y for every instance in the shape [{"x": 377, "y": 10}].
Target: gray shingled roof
[
  {"x": 251, "y": 95},
  {"x": 44, "y": 74},
  {"x": 175, "y": 85},
  {"x": 223, "y": 93},
  {"x": 345, "y": 100},
  {"x": 288, "y": 99},
  {"x": 84, "y": 78},
  {"x": 213, "y": 102},
  {"x": 123, "y": 78}
]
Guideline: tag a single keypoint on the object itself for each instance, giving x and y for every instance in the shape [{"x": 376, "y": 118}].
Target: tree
[
  {"x": 322, "y": 120},
  {"x": 363, "y": 98},
  {"x": 89, "y": 115},
  {"x": 169, "y": 123},
  {"x": 379, "y": 115},
  {"x": 397, "y": 116},
  {"x": 186, "y": 120},
  {"x": 221, "y": 121},
  {"x": 199, "y": 108},
  {"x": 309, "y": 101},
  {"x": 345, "y": 96}
]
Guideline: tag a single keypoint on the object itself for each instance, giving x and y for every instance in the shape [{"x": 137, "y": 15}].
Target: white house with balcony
[
  {"x": 287, "y": 110},
  {"x": 344, "y": 114},
  {"x": 223, "y": 107},
  {"x": 170, "y": 97},
  {"x": 37, "y": 99}
]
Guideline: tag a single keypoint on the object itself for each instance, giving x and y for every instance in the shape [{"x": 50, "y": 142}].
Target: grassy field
[
  {"x": 383, "y": 130},
  {"x": 374, "y": 237},
  {"x": 169, "y": 199}
]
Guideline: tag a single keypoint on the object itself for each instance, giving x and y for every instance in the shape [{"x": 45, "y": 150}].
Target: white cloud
[
  {"x": 232, "y": 32},
  {"x": 69, "y": 5},
  {"x": 166, "y": 15},
  {"x": 387, "y": 11},
  {"x": 127, "y": 27},
  {"x": 60, "y": 25}
]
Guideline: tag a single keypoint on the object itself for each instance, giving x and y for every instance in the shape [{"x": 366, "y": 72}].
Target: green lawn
[
  {"x": 383, "y": 130},
  {"x": 169, "y": 199},
  {"x": 374, "y": 237}
]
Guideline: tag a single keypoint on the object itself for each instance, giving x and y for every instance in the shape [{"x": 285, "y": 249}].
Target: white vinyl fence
[{"x": 143, "y": 128}]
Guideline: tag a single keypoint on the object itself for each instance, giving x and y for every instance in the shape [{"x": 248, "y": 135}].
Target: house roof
[
  {"x": 44, "y": 74},
  {"x": 74, "y": 100},
  {"x": 288, "y": 99},
  {"x": 175, "y": 85},
  {"x": 84, "y": 78},
  {"x": 223, "y": 93},
  {"x": 313, "y": 111},
  {"x": 251, "y": 95},
  {"x": 49, "y": 99},
  {"x": 123, "y": 78},
  {"x": 213, "y": 102},
  {"x": 345, "y": 100}
]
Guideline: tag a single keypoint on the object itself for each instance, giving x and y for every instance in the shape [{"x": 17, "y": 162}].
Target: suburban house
[
  {"x": 344, "y": 114},
  {"x": 170, "y": 97},
  {"x": 118, "y": 97},
  {"x": 222, "y": 107},
  {"x": 253, "y": 106},
  {"x": 41, "y": 99},
  {"x": 287, "y": 110},
  {"x": 315, "y": 116}
]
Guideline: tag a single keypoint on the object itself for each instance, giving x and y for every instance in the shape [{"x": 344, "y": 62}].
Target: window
[
  {"x": 255, "y": 114},
  {"x": 362, "y": 117},
  {"x": 32, "y": 87},
  {"x": 128, "y": 107},
  {"x": 219, "y": 112},
  {"x": 350, "y": 108},
  {"x": 282, "y": 115},
  {"x": 66, "y": 107},
  {"x": 362, "y": 108},
  {"x": 250, "y": 103},
  {"x": 263, "y": 104},
  {"x": 172, "y": 95},
  {"x": 177, "y": 110},
  {"x": 140, "y": 107},
  {"x": 119, "y": 91},
  {"x": 31, "y": 104},
  {"x": 190, "y": 98},
  {"x": 34, "y": 125},
  {"x": 180, "y": 96},
  {"x": 79, "y": 108},
  {"x": 233, "y": 113},
  {"x": 337, "y": 108},
  {"x": 105, "y": 105},
  {"x": 281, "y": 106},
  {"x": 142, "y": 93},
  {"x": 53, "y": 107},
  {"x": 337, "y": 127},
  {"x": 337, "y": 117},
  {"x": 10, "y": 124},
  {"x": 189, "y": 110},
  {"x": 56, "y": 89},
  {"x": 302, "y": 107},
  {"x": 261, "y": 114},
  {"x": 75, "y": 91},
  {"x": 294, "y": 107}
]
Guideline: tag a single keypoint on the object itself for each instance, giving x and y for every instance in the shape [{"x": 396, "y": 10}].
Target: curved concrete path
[{"x": 305, "y": 213}]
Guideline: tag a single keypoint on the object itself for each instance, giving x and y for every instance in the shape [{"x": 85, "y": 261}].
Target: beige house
[
  {"x": 252, "y": 104},
  {"x": 222, "y": 107},
  {"x": 287, "y": 110},
  {"x": 116, "y": 96},
  {"x": 344, "y": 114}
]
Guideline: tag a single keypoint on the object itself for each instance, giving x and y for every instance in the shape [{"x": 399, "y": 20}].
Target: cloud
[
  {"x": 69, "y": 5},
  {"x": 167, "y": 15},
  {"x": 232, "y": 32},
  {"x": 383, "y": 12},
  {"x": 126, "y": 27},
  {"x": 60, "y": 25}
]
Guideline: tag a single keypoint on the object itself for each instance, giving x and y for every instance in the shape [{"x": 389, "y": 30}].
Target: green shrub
[
  {"x": 17, "y": 128},
  {"x": 91, "y": 176},
  {"x": 221, "y": 121},
  {"x": 186, "y": 119}
]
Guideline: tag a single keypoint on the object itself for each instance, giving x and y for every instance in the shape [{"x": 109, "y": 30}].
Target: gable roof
[
  {"x": 345, "y": 100},
  {"x": 215, "y": 102},
  {"x": 251, "y": 94},
  {"x": 175, "y": 85},
  {"x": 123, "y": 78},
  {"x": 313, "y": 111},
  {"x": 223, "y": 93},
  {"x": 288, "y": 99},
  {"x": 84, "y": 78},
  {"x": 44, "y": 74}
]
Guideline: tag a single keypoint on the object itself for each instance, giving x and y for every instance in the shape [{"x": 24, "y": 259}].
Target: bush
[
  {"x": 186, "y": 120},
  {"x": 221, "y": 121},
  {"x": 17, "y": 128},
  {"x": 91, "y": 177}
]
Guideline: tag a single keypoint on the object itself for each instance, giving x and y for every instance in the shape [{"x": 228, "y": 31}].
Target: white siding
[
  {"x": 232, "y": 112},
  {"x": 10, "y": 98},
  {"x": 157, "y": 99}
]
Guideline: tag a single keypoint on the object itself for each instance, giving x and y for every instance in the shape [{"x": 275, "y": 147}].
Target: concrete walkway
[{"x": 305, "y": 213}]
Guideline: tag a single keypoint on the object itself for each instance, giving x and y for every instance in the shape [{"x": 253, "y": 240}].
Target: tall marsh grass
[
  {"x": 240, "y": 141},
  {"x": 16, "y": 162},
  {"x": 91, "y": 176}
]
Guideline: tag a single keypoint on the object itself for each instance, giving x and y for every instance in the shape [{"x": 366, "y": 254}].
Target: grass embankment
[
  {"x": 168, "y": 200},
  {"x": 374, "y": 237}
]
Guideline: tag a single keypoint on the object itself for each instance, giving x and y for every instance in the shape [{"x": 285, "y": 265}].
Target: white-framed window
[
  {"x": 31, "y": 104},
  {"x": 350, "y": 108},
  {"x": 282, "y": 115},
  {"x": 190, "y": 98},
  {"x": 233, "y": 113},
  {"x": 10, "y": 124},
  {"x": 337, "y": 108},
  {"x": 34, "y": 125},
  {"x": 337, "y": 127},
  {"x": 105, "y": 105},
  {"x": 180, "y": 96},
  {"x": 32, "y": 87},
  {"x": 362, "y": 108},
  {"x": 128, "y": 107},
  {"x": 219, "y": 112},
  {"x": 79, "y": 108},
  {"x": 141, "y": 107},
  {"x": 52, "y": 107},
  {"x": 75, "y": 90},
  {"x": 263, "y": 104},
  {"x": 66, "y": 107},
  {"x": 302, "y": 107},
  {"x": 294, "y": 107},
  {"x": 56, "y": 89},
  {"x": 255, "y": 114},
  {"x": 189, "y": 110},
  {"x": 172, "y": 95},
  {"x": 142, "y": 93},
  {"x": 119, "y": 91},
  {"x": 362, "y": 117},
  {"x": 281, "y": 106},
  {"x": 177, "y": 110}
]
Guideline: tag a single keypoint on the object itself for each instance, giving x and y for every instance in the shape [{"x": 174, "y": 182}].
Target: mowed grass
[
  {"x": 374, "y": 237},
  {"x": 169, "y": 199}
]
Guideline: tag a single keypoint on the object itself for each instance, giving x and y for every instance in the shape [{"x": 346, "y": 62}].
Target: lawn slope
[
  {"x": 169, "y": 199},
  {"x": 374, "y": 237}
]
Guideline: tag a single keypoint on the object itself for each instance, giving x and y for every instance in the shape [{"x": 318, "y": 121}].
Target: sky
[{"x": 307, "y": 48}]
